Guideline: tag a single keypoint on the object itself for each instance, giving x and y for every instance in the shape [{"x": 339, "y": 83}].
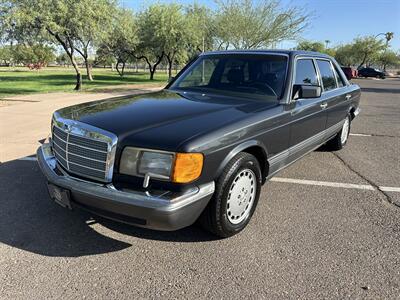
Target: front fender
[{"x": 240, "y": 148}]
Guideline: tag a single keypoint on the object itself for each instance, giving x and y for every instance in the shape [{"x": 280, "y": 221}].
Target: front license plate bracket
[{"x": 60, "y": 196}]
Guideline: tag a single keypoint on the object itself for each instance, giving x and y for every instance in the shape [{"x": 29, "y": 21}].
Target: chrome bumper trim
[{"x": 163, "y": 202}]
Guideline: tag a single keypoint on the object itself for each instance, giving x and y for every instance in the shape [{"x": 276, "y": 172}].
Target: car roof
[{"x": 268, "y": 51}]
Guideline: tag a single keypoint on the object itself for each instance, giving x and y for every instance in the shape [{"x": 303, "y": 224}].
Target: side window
[
  {"x": 327, "y": 76},
  {"x": 339, "y": 78},
  {"x": 305, "y": 72}
]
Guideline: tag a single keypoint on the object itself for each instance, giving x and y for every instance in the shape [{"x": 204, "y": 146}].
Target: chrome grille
[{"x": 83, "y": 150}]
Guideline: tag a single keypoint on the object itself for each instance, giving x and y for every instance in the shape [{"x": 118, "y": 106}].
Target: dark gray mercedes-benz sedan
[{"x": 201, "y": 148}]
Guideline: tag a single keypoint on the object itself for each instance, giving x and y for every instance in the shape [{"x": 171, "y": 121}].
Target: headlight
[
  {"x": 155, "y": 163},
  {"x": 176, "y": 167}
]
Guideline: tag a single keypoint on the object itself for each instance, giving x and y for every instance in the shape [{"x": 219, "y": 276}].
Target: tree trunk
[
  {"x": 120, "y": 72},
  {"x": 78, "y": 85},
  {"x": 170, "y": 60},
  {"x": 88, "y": 70},
  {"x": 152, "y": 74},
  {"x": 68, "y": 47},
  {"x": 123, "y": 68},
  {"x": 363, "y": 61},
  {"x": 117, "y": 68},
  {"x": 170, "y": 69},
  {"x": 152, "y": 68}
]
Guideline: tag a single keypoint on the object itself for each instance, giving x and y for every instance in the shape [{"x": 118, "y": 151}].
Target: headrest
[{"x": 235, "y": 75}]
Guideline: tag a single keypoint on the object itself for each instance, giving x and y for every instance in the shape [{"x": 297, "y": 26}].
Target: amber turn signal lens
[{"x": 187, "y": 167}]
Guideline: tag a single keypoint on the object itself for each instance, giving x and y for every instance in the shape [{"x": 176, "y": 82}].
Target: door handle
[
  {"x": 324, "y": 105},
  {"x": 348, "y": 96}
]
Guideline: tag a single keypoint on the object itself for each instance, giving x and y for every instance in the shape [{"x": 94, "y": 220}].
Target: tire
[
  {"x": 235, "y": 197},
  {"x": 340, "y": 139}
]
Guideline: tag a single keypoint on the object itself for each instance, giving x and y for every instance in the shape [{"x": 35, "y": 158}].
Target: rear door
[
  {"x": 308, "y": 115},
  {"x": 334, "y": 95}
]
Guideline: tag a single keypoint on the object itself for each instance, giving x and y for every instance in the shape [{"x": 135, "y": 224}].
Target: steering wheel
[{"x": 265, "y": 87}]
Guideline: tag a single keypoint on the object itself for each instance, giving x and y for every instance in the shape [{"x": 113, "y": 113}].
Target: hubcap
[
  {"x": 241, "y": 196},
  {"x": 345, "y": 131}
]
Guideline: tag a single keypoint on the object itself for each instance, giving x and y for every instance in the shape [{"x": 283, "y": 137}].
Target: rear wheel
[
  {"x": 235, "y": 198},
  {"x": 340, "y": 139}
]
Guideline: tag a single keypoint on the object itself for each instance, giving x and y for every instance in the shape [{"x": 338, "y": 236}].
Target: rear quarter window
[{"x": 339, "y": 78}]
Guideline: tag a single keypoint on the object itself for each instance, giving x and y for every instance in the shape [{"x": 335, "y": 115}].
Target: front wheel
[
  {"x": 235, "y": 198},
  {"x": 340, "y": 139}
]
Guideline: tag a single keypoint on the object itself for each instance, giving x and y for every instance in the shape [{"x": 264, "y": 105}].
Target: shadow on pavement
[
  {"x": 380, "y": 90},
  {"x": 30, "y": 221}
]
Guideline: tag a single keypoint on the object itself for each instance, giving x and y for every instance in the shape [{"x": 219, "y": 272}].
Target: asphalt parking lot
[{"x": 326, "y": 227}]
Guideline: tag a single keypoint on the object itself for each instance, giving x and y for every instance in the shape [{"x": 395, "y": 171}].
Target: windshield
[{"x": 256, "y": 76}]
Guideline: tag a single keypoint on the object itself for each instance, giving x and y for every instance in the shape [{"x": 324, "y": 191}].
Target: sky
[{"x": 339, "y": 21}]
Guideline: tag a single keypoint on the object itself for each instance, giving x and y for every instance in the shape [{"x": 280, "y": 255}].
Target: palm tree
[
  {"x": 327, "y": 42},
  {"x": 388, "y": 36}
]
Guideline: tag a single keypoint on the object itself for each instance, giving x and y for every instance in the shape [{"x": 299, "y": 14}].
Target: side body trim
[{"x": 292, "y": 154}]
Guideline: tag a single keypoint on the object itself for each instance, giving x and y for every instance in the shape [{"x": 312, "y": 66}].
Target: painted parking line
[
  {"x": 324, "y": 183},
  {"x": 336, "y": 184},
  {"x": 359, "y": 134},
  {"x": 389, "y": 189},
  {"x": 307, "y": 182}
]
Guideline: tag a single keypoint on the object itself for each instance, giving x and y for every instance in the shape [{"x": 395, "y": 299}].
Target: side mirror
[{"x": 306, "y": 91}]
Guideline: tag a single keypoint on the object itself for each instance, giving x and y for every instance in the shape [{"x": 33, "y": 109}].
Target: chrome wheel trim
[
  {"x": 345, "y": 131},
  {"x": 241, "y": 196}
]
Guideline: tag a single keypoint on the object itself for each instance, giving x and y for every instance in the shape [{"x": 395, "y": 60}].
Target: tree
[
  {"x": 5, "y": 25},
  {"x": 389, "y": 58},
  {"x": 121, "y": 40},
  {"x": 152, "y": 43},
  {"x": 61, "y": 22},
  {"x": 201, "y": 28},
  {"x": 103, "y": 57},
  {"x": 175, "y": 33},
  {"x": 365, "y": 48},
  {"x": 95, "y": 19},
  {"x": 311, "y": 46},
  {"x": 62, "y": 59},
  {"x": 388, "y": 37},
  {"x": 6, "y": 56},
  {"x": 36, "y": 54},
  {"x": 346, "y": 55},
  {"x": 316, "y": 47},
  {"x": 245, "y": 24}
]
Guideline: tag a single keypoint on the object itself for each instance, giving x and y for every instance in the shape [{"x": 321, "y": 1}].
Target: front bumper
[{"x": 156, "y": 210}]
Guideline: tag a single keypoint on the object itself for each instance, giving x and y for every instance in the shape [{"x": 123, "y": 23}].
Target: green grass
[{"x": 20, "y": 80}]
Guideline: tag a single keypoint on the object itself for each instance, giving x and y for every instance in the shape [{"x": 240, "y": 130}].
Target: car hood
[{"x": 162, "y": 120}]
